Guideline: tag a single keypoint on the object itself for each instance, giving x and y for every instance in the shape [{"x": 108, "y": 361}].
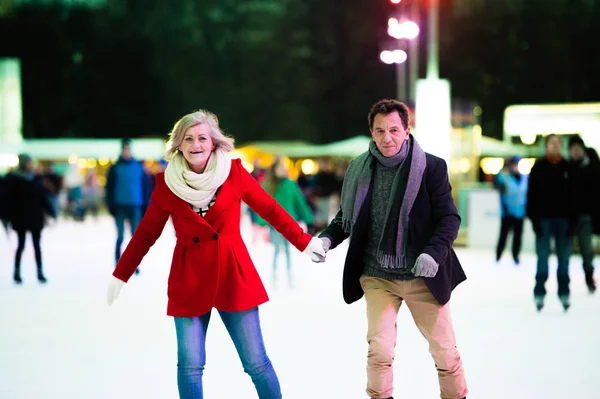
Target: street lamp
[
  {"x": 402, "y": 30},
  {"x": 399, "y": 30},
  {"x": 393, "y": 57}
]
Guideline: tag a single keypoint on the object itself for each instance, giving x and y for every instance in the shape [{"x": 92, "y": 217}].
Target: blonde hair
[{"x": 220, "y": 140}]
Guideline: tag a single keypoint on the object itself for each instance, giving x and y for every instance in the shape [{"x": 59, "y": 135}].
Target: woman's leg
[
  {"x": 244, "y": 329},
  {"x": 20, "y": 247},
  {"x": 191, "y": 354},
  {"x": 37, "y": 235}
]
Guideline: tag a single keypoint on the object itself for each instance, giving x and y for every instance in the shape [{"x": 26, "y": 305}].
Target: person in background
[
  {"x": 550, "y": 209},
  {"x": 287, "y": 194},
  {"x": 90, "y": 194},
  {"x": 53, "y": 184},
  {"x": 127, "y": 193},
  {"x": 513, "y": 197},
  {"x": 585, "y": 179},
  {"x": 201, "y": 190},
  {"x": 28, "y": 206}
]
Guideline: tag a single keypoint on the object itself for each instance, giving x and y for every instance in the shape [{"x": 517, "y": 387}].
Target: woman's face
[
  {"x": 196, "y": 147},
  {"x": 280, "y": 171}
]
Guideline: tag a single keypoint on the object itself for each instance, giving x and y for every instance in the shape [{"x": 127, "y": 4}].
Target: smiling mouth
[{"x": 196, "y": 152}]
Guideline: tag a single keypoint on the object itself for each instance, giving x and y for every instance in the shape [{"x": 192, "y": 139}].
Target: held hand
[
  {"x": 425, "y": 266},
  {"x": 315, "y": 250},
  {"x": 114, "y": 289}
]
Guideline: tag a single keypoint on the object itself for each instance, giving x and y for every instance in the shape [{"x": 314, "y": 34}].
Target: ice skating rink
[{"x": 61, "y": 340}]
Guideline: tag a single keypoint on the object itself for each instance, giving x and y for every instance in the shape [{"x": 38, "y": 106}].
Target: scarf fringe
[
  {"x": 388, "y": 261},
  {"x": 347, "y": 226}
]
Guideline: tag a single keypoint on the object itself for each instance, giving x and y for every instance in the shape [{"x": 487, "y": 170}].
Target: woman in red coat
[{"x": 201, "y": 190}]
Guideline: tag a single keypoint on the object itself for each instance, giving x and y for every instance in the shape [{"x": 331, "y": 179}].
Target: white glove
[
  {"x": 326, "y": 243},
  {"x": 114, "y": 289},
  {"x": 425, "y": 266},
  {"x": 315, "y": 250}
]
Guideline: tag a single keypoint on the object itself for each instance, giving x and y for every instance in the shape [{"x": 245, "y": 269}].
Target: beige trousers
[{"x": 433, "y": 320}]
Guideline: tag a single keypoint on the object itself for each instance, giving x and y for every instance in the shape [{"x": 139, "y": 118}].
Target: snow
[{"x": 61, "y": 340}]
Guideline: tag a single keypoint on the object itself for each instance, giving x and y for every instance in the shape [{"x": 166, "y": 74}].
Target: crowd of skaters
[{"x": 561, "y": 197}]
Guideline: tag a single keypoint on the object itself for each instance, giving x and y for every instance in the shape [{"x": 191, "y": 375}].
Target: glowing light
[
  {"x": 248, "y": 166},
  {"x": 72, "y": 159},
  {"x": 525, "y": 165},
  {"x": 528, "y": 137},
  {"x": 491, "y": 166},
  {"x": 393, "y": 57},
  {"x": 395, "y": 1},
  {"x": 309, "y": 167},
  {"x": 8, "y": 160},
  {"x": 404, "y": 30},
  {"x": 464, "y": 165},
  {"x": 82, "y": 163},
  {"x": 103, "y": 162},
  {"x": 477, "y": 111},
  {"x": 91, "y": 163},
  {"x": 477, "y": 130}
]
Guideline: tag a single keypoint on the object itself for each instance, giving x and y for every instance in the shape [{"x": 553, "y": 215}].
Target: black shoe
[
  {"x": 517, "y": 263},
  {"x": 42, "y": 278},
  {"x": 539, "y": 302},
  {"x": 17, "y": 279},
  {"x": 591, "y": 284},
  {"x": 565, "y": 301},
  {"x": 137, "y": 271}
]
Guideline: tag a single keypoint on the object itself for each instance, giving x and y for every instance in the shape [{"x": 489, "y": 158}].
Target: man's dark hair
[
  {"x": 576, "y": 140},
  {"x": 387, "y": 107}
]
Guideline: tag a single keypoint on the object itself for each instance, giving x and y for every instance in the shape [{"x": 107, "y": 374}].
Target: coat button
[
  {"x": 196, "y": 240},
  {"x": 215, "y": 236}
]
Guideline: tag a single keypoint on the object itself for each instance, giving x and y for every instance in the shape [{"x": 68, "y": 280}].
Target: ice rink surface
[{"x": 61, "y": 340}]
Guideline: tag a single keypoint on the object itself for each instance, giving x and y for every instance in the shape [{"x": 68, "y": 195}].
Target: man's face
[
  {"x": 389, "y": 133},
  {"x": 126, "y": 152},
  {"x": 576, "y": 152},
  {"x": 553, "y": 146}
]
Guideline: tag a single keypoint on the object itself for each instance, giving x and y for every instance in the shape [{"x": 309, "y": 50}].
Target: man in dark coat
[
  {"x": 550, "y": 208},
  {"x": 397, "y": 208},
  {"x": 28, "y": 206},
  {"x": 584, "y": 177}
]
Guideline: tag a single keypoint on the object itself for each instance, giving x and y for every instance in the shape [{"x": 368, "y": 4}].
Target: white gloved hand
[
  {"x": 315, "y": 250},
  {"x": 425, "y": 266},
  {"x": 326, "y": 243},
  {"x": 114, "y": 289}
]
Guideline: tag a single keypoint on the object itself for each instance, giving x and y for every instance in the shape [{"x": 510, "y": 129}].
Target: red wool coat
[{"x": 211, "y": 266}]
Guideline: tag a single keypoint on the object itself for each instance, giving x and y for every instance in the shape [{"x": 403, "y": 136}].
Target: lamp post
[
  {"x": 432, "y": 110},
  {"x": 400, "y": 30}
]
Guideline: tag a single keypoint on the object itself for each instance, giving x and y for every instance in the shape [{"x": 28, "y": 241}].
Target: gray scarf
[{"x": 393, "y": 239}]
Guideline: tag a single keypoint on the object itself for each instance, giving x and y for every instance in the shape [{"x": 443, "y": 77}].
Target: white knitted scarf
[{"x": 197, "y": 188}]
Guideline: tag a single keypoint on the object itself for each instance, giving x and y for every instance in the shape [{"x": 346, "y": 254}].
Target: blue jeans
[
  {"x": 244, "y": 330},
  {"x": 132, "y": 214},
  {"x": 557, "y": 228}
]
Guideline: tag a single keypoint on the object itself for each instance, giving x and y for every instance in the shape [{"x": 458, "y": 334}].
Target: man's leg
[
  {"x": 120, "y": 223},
  {"x": 584, "y": 238},
  {"x": 563, "y": 253},
  {"x": 435, "y": 323},
  {"x": 517, "y": 238},
  {"x": 382, "y": 311},
  {"x": 504, "y": 229},
  {"x": 542, "y": 249}
]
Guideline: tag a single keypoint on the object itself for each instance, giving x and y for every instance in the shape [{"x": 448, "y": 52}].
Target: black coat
[
  {"x": 3, "y": 199},
  {"x": 27, "y": 203},
  {"x": 433, "y": 227}
]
